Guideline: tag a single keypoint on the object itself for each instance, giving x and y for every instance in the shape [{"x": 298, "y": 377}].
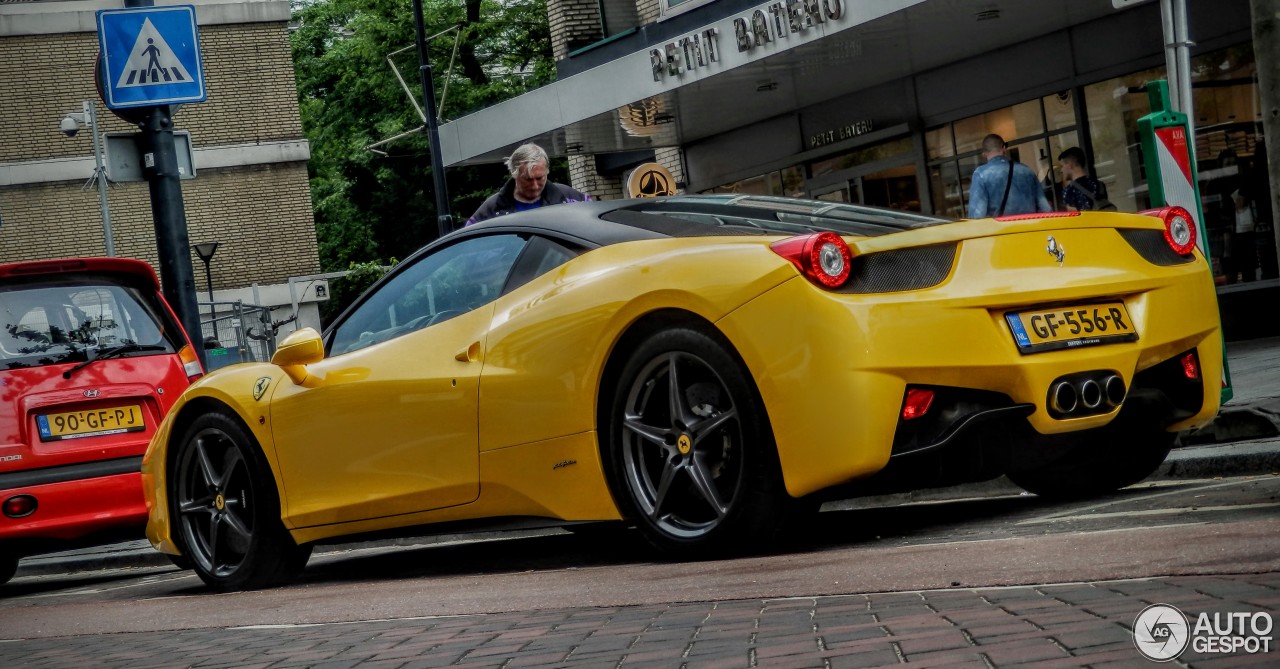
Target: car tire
[
  {"x": 8, "y": 567},
  {"x": 226, "y": 511},
  {"x": 1098, "y": 462},
  {"x": 699, "y": 476}
]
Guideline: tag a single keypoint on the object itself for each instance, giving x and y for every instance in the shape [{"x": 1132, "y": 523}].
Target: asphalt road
[{"x": 1156, "y": 533}]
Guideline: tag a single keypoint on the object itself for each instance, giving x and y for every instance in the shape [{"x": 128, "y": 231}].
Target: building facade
[
  {"x": 886, "y": 103},
  {"x": 250, "y": 192}
]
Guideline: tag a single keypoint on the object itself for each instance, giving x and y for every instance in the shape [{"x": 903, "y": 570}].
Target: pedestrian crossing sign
[{"x": 150, "y": 56}]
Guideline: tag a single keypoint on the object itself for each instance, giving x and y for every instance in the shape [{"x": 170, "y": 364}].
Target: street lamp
[
  {"x": 205, "y": 251},
  {"x": 70, "y": 125}
]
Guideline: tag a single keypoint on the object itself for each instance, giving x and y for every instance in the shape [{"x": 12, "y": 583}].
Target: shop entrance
[{"x": 893, "y": 188}]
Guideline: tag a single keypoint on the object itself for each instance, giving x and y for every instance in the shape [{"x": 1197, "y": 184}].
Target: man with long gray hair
[{"x": 527, "y": 188}]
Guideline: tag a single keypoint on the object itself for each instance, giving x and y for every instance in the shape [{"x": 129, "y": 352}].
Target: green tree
[
  {"x": 370, "y": 206},
  {"x": 345, "y": 291}
]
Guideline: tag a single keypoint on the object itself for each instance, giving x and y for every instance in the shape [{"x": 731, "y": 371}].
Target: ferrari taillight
[
  {"x": 1179, "y": 228},
  {"x": 823, "y": 257},
  {"x": 190, "y": 363}
]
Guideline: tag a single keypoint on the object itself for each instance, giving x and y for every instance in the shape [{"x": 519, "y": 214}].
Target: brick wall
[
  {"x": 248, "y": 76},
  {"x": 260, "y": 216},
  {"x": 253, "y": 95},
  {"x": 573, "y": 21},
  {"x": 670, "y": 158},
  {"x": 582, "y": 174},
  {"x": 649, "y": 11}
]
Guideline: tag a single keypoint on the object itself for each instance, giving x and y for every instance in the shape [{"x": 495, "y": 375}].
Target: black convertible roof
[{"x": 601, "y": 223}]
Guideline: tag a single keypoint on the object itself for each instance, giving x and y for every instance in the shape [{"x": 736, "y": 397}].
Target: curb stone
[{"x": 1257, "y": 457}]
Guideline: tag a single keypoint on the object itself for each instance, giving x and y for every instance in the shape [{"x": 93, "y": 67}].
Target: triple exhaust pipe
[{"x": 1086, "y": 394}]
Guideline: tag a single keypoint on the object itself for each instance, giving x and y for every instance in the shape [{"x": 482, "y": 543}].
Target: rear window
[
  {"x": 63, "y": 319},
  {"x": 739, "y": 214}
]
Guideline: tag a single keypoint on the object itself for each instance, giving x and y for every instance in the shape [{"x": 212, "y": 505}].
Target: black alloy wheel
[
  {"x": 691, "y": 458},
  {"x": 225, "y": 509}
]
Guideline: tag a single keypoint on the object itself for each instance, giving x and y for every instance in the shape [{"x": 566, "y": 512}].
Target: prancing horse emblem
[
  {"x": 261, "y": 387},
  {"x": 1055, "y": 249}
]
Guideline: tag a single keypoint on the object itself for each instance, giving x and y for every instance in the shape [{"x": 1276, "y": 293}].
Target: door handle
[{"x": 469, "y": 354}]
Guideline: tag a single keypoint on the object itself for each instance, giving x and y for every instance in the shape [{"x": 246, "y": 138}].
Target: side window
[
  {"x": 449, "y": 282},
  {"x": 541, "y": 256}
]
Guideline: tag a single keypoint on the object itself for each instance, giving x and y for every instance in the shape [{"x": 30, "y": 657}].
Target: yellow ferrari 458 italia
[{"x": 701, "y": 367}]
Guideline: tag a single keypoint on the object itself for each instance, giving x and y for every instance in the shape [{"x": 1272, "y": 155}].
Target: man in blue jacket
[
  {"x": 527, "y": 188},
  {"x": 1003, "y": 187}
]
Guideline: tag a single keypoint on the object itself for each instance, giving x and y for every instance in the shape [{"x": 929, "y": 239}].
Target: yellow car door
[{"x": 387, "y": 423}]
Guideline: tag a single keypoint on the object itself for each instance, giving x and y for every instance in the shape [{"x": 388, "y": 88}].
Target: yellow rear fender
[{"x": 548, "y": 370}]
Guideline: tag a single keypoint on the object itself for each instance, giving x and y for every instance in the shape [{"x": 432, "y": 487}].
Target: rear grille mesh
[
  {"x": 1150, "y": 244},
  {"x": 900, "y": 269}
]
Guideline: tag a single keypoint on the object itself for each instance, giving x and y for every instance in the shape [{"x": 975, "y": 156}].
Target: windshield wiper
[{"x": 113, "y": 352}]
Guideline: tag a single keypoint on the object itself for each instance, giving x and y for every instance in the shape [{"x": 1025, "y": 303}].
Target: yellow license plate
[
  {"x": 1071, "y": 327},
  {"x": 97, "y": 422}
]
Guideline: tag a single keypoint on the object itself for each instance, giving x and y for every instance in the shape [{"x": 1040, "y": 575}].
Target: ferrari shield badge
[{"x": 260, "y": 387}]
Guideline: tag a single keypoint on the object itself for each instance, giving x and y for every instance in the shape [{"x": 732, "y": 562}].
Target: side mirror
[{"x": 300, "y": 348}]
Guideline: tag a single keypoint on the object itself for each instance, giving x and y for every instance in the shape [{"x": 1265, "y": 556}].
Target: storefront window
[
  {"x": 1114, "y": 107},
  {"x": 880, "y": 175},
  {"x": 1023, "y": 128},
  {"x": 792, "y": 181},
  {"x": 751, "y": 186},
  {"x": 893, "y": 188},
  {"x": 944, "y": 184},
  {"x": 862, "y": 156},
  {"x": 1230, "y": 166},
  {"x": 940, "y": 143},
  {"x": 1059, "y": 110},
  {"x": 787, "y": 182},
  {"x": 1021, "y": 120}
]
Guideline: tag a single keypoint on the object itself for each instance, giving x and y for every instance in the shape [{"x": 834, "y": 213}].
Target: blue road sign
[{"x": 150, "y": 56}]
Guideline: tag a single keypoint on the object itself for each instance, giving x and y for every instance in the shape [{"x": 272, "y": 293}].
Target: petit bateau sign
[{"x": 773, "y": 23}]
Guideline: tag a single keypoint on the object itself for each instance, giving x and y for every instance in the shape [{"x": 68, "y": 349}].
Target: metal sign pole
[
  {"x": 177, "y": 277},
  {"x": 1182, "y": 48},
  {"x": 100, "y": 175},
  {"x": 444, "y": 217},
  {"x": 141, "y": 76}
]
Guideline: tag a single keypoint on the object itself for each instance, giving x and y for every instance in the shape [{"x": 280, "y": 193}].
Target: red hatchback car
[{"x": 91, "y": 358}]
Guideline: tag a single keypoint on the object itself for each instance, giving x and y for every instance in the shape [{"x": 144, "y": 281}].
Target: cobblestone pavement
[{"x": 1065, "y": 625}]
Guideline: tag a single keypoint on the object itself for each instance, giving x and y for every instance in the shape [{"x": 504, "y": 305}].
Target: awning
[{"x": 714, "y": 78}]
